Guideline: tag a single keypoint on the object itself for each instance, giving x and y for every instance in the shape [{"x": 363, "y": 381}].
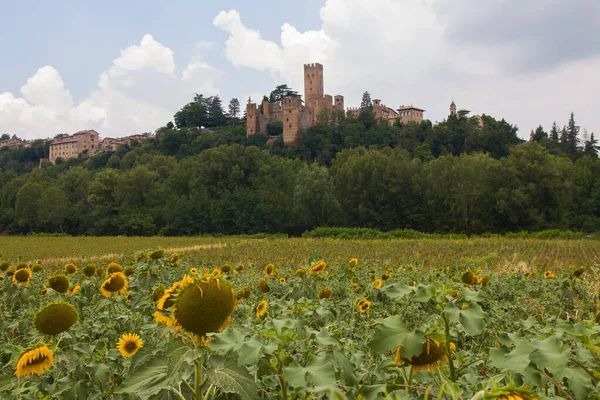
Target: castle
[
  {"x": 296, "y": 116},
  {"x": 291, "y": 111}
]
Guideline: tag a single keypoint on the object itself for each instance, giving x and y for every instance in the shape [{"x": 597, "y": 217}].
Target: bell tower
[{"x": 452, "y": 108}]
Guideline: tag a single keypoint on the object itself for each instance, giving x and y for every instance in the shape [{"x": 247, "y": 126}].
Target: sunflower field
[{"x": 312, "y": 325}]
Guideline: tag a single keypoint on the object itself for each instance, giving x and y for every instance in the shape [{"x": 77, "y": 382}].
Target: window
[{"x": 290, "y": 125}]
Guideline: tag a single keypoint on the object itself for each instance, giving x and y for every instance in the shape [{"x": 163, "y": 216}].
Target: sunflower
[
  {"x": 112, "y": 268},
  {"x": 269, "y": 269},
  {"x": 317, "y": 268},
  {"x": 4, "y": 266},
  {"x": 114, "y": 285},
  {"x": 129, "y": 344},
  {"x": 433, "y": 355},
  {"x": 377, "y": 284},
  {"x": 353, "y": 261},
  {"x": 129, "y": 271},
  {"x": 70, "y": 268},
  {"x": 22, "y": 276},
  {"x": 203, "y": 306},
  {"x": 325, "y": 293},
  {"x": 578, "y": 273},
  {"x": 261, "y": 308},
  {"x": 163, "y": 319},
  {"x": 21, "y": 266},
  {"x": 157, "y": 293},
  {"x": 264, "y": 287},
  {"x": 485, "y": 281},
  {"x": 99, "y": 272},
  {"x": 157, "y": 254},
  {"x": 549, "y": 275},
  {"x": 55, "y": 318},
  {"x": 244, "y": 293},
  {"x": 129, "y": 297},
  {"x": 142, "y": 257},
  {"x": 10, "y": 272},
  {"x": 34, "y": 362},
  {"x": 193, "y": 271},
  {"x": 60, "y": 283},
  {"x": 36, "y": 268},
  {"x": 300, "y": 272},
  {"x": 89, "y": 270},
  {"x": 174, "y": 258},
  {"x": 43, "y": 290},
  {"x": 226, "y": 268},
  {"x": 75, "y": 290},
  {"x": 282, "y": 280},
  {"x": 168, "y": 298},
  {"x": 363, "y": 305},
  {"x": 468, "y": 278}
]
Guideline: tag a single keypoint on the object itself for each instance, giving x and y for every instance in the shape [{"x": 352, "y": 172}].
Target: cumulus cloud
[
  {"x": 138, "y": 92},
  {"x": 497, "y": 58}
]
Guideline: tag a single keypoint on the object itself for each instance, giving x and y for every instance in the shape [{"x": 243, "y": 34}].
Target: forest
[{"x": 202, "y": 175}]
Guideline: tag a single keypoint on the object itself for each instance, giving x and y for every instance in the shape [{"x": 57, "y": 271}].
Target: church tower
[{"x": 452, "y": 108}]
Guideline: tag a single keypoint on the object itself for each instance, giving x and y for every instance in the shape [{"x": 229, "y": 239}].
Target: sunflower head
[
  {"x": 129, "y": 344},
  {"x": 174, "y": 259},
  {"x": 386, "y": 277},
  {"x": 155, "y": 255},
  {"x": 468, "y": 278},
  {"x": 99, "y": 272},
  {"x": 363, "y": 304},
  {"x": 157, "y": 293},
  {"x": 21, "y": 265},
  {"x": 226, "y": 268},
  {"x": 70, "y": 268},
  {"x": 300, "y": 272},
  {"x": 34, "y": 362},
  {"x": 167, "y": 300},
  {"x": 261, "y": 308},
  {"x": 353, "y": 261},
  {"x": 433, "y": 355},
  {"x": 485, "y": 281},
  {"x": 325, "y": 293},
  {"x": 282, "y": 280},
  {"x": 4, "y": 265},
  {"x": 317, "y": 268},
  {"x": 142, "y": 257},
  {"x": 129, "y": 271},
  {"x": 115, "y": 284},
  {"x": 113, "y": 267},
  {"x": 269, "y": 269},
  {"x": 10, "y": 272},
  {"x": 36, "y": 267},
  {"x": 89, "y": 270},
  {"x": 203, "y": 306},
  {"x": 244, "y": 293},
  {"x": 43, "y": 290},
  {"x": 60, "y": 283},
  {"x": 22, "y": 276},
  {"x": 377, "y": 284},
  {"x": 75, "y": 290},
  {"x": 55, "y": 318},
  {"x": 509, "y": 392},
  {"x": 264, "y": 287},
  {"x": 578, "y": 273}
]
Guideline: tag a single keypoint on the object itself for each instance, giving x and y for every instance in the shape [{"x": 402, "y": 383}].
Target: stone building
[
  {"x": 13, "y": 142},
  {"x": 72, "y": 145},
  {"x": 463, "y": 112},
  {"x": 294, "y": 115},
  {"x": 111, "y": 144},
  {"x": 405, "y": 113}
]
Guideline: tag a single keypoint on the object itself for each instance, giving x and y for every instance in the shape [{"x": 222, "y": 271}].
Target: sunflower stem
[
  {"x": 449, "y": 350},
  {"x": 199, "y": 382}
]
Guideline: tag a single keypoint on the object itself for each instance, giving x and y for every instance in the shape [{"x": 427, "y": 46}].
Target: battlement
[
  {"x": 313, "y": 65},
  {"x": 291, "y": 101},
  {"x": 353, "y": 109}
]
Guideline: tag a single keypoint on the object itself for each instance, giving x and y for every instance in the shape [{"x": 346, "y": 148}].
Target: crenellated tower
[{"x": 313, "y": 82}]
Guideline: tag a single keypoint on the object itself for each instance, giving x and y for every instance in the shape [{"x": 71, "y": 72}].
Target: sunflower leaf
[
  {"x": 147, "y": 380},
  {"x": 471, "y": 318},
  {"x": 233, "y": 379},
  {"x": 393, "y": 333},
  {"x": 317, "y": 372},
  {"x": 398, "y": 290}
]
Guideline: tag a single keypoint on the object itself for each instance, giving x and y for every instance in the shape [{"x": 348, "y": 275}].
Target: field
[{"x": 298, "y": 318}]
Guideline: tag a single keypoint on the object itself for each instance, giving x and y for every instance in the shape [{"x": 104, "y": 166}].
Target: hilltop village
[{"x": 294, "y": 112}]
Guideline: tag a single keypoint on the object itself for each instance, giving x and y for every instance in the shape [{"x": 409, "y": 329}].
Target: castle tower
[
  {"x": 251, "y": 119},
  {"x": 313, "y": 82},
  {"x": 339, "y": 102},
  {"x": 294, "y": 118},
  {"x": 452, "y": 108}
]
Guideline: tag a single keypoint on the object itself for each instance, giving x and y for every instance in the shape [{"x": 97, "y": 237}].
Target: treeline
[{"x": 152, "y": 188}]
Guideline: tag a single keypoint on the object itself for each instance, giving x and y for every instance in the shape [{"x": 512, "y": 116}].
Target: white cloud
[
  {"x": 408, "y": 52},
  {"x": 139, "y": 92}
]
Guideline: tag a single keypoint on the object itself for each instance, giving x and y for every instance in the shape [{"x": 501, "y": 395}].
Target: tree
[
  {"x": 234, "y": 107},
  {"x": 53, "y": 208},
  {"x": 249, "y": 100},
  {"x": 26, "y": 206},
  {"x": 281, "y": 92},
  {"x": 366, "y": 114},
  {"x": 539, "y": 134},
  {"x": 572, "y": 143},
  {"x": 216, "y": 117},
  {"x": 554, "y": 133},
  {"x": 192, "y": 115},
  {"x": 591, "y": 147},
  {"x": 5, "y": 136},
  {"x": 275, "y": 128}
]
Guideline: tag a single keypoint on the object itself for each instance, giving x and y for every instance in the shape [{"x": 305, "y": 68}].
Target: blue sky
[{"x": 124, "y": 67}]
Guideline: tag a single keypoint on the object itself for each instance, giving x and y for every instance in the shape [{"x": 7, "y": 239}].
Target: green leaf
[
  {"x": 233, "y": 379},
  {"x": 317, "y": 372},
  {"x": 393, "y": 333},
  {"x": 146, "y": 380},
  {"x": 550, "y": 355},
  {"x": 345, "y": 366},
  {"x": 425, "y": 293},
  {"x": 579, "y": 381},
  {"x": 397, "y": 291},
  {"x": 471, "y": 318},
  {"x": 471, "y": 295},
  {"x": 368, "y": 392},
  {"x": 228, "y": 340}
]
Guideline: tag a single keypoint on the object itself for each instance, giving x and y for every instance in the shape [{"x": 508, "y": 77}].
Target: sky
[{"x": 126, "y": 67}]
